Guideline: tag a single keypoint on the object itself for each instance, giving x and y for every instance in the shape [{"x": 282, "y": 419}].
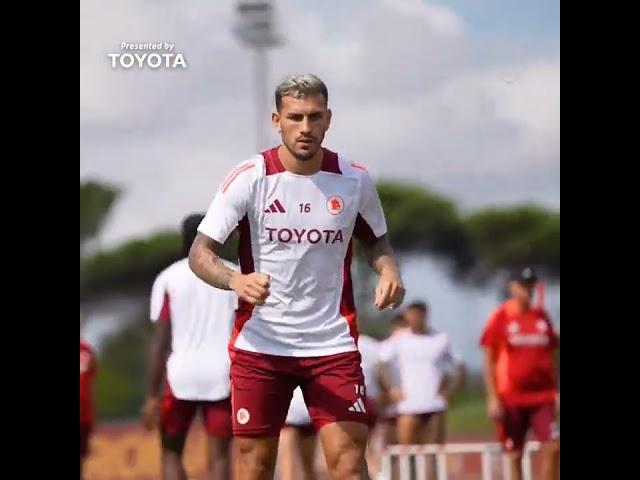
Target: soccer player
[
  {"x": 88, "y": 366},
  {"x": 297, "y": 207},
  {"x": 520, "y": 375},
  {"x": 192, "y": 327},
  {"x": 297, "y": 444},
  {"x": 423, "y": 357}
]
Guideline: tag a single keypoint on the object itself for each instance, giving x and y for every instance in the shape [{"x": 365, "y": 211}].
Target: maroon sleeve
[
  {"x": 165, "y": 311},
  {"x": 363, "y": 232}
]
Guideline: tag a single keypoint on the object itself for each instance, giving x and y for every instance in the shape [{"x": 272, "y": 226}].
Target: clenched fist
[
  {"x": 389, "y": 292},
  {"x": 252, "y": 288}
]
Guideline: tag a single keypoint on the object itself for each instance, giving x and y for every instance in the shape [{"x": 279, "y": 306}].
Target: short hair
[
  {"x": 190, "y": 230},
  {"x": 419, "y": 305},
  {"x": 300, "y": 85}
]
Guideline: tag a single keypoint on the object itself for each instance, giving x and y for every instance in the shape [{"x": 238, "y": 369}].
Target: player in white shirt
[
  {"x": 192, "y": 328},
  {"x": 297, "y": 445},
  {"x": 297, "y": 207},
  {"x": 421, "y": 358}
]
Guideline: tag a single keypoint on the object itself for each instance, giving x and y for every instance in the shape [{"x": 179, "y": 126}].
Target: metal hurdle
[{"x": 487, "y": 451}]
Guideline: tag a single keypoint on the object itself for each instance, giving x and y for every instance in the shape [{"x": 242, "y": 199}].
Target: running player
[
  {"x": 88, "y": 365},
  {"x": 192, "y": 327},
  {"x": 520, "y": 375},
  {"x": 297, "y": 207}
]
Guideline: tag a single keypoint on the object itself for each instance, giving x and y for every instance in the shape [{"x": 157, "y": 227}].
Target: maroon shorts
[
  {"x": 517, "y": 420},
  {"x": 262, "y": 387},
  {"x": 176, "y": 415},
  {"x": 85, "y": 433}
]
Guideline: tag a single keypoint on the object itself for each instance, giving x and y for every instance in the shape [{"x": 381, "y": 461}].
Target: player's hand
[
  {"x": 149, "y": 412},
  {"x": 389, "y": 292},
  {"x": 252, "y": 288},
  {"x": 494, "y": 409},
  {"x": 557, "y": 403},
  {"x": 395, "y": 394},
  {"x": 445, "y": 393}
]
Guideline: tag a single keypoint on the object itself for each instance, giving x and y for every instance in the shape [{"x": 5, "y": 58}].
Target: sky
[{"x": 461, "y": 97}]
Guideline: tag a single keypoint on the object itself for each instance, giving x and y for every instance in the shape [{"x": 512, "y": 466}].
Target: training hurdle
[{"x": 487, "y": 452}]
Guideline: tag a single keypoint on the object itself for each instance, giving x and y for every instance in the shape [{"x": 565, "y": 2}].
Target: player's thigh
[
  {"x": 408, "y": 429},
  {"x": 344, "y": 445},
  {"x": 334, "y": 391},
  {"x": 216, "y": 418},
  {"x": 433, "y": 428},
  {"x": 260, "y": 396},
  {"x": 543, "y": 423},
  {"x": 513, "y": 427},
  {"x": 176, "y": 416}
]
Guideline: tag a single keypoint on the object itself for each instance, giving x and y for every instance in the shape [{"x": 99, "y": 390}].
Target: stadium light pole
[{"x": 255, "y": 28}]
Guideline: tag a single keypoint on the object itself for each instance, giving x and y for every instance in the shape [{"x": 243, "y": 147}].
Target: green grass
[{"x": 467, "y": 414}]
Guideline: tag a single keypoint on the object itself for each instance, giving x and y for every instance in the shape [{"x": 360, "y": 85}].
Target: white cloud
[{"x": 413, "y": 97}]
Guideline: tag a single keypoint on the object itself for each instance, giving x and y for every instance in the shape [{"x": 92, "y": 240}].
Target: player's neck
[
  {"x": 300, "y": 167},
  {"x": 523, "y": 306}
]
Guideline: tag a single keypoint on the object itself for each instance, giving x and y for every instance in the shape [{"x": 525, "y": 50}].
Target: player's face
[
  {"x": 521, "y": 292},
  {"x": 416, "y": 319},
  {"x": 303, "y": 123}
]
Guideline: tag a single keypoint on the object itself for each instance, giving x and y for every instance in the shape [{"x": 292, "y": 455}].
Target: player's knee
[
  {"x": 515, "y": 456},
  {"x": 257, "y": 455},
  {"x": 551, "y": 447},
  {"x": 347, "y": 463},
  {"x": 173, "y": 443}
]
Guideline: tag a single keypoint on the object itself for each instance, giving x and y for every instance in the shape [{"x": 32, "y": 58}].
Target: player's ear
[
  {"x": 329, "y": 114},
  {"x": 275, "y": 119}
]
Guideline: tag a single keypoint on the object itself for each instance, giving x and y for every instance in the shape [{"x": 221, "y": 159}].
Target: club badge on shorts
[{"x": 243, "y": 416}]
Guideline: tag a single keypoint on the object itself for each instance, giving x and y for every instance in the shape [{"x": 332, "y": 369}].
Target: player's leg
[
  {"x": 261, "y": 391},
  {"x": 85, "y": 433},
  {"x": 375, "y": 441},
  {"x": 217, "y": 421},
  {"x": 543, "y": 423},
  {"x": 308, "y": 442},
  {"x": 296, "y": 452},
  {"x": 512, "y": 430},
  {"x": 407, "y": 429},
  {"x": 432, "y": 431},
  {"x": 334, "y": 393},
  {"x": 175, "y": 419}
]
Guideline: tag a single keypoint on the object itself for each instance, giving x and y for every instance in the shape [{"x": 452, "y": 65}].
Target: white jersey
[
  {"x": 419, "y": 363},
  {"x": 370, "y": 353},
  {"x": 298, "y": 415},
  {"x": 201, "y": 320},
  {"x": 297, "y": 229}
]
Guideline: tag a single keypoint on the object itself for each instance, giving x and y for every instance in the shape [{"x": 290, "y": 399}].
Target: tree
[{"x": 96, "y": 200}]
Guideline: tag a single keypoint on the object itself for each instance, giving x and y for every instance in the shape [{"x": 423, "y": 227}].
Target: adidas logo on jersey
[
  {"x": 358, "y": 406},
  {"x": 275, "y": 207}
]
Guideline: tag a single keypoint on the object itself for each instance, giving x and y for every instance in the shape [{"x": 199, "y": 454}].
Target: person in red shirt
[
  {"x": 520, "y": 375},
  {"x": 88, "y": 365}
]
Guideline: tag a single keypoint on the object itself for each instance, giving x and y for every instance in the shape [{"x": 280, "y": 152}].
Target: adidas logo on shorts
[{"x": 358, "y": 406}]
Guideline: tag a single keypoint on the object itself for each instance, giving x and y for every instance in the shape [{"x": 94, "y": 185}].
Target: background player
[
  {"x": 88, "y": 367},
  {"x": 520, "y": 375},
  {"x": 422, "y": 358},
  {"x": 192, "y": 327},
  {"x": 297, "y": 207},
  {"x": 298, "y": 440}
]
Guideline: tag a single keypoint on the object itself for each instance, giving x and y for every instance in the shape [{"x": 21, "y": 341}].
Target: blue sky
[{"x": 459, "y": 96}]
